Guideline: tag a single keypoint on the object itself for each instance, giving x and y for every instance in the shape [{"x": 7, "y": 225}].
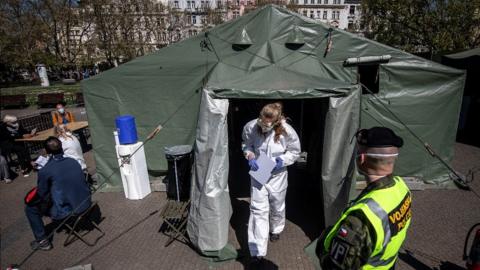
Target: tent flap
[
  {"x": 210, "y": 209},
  {"x": 341, "y": 123}
]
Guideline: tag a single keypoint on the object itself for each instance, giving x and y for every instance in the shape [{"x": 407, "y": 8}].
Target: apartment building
[{"x": 343, "y": 14}]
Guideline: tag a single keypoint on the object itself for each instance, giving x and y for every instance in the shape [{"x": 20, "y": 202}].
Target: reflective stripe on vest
[
  {"x": 375, "y": 205},
  {"x": 383, "y": 216}
]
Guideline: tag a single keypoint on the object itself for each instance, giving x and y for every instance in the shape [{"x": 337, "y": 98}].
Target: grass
[{"x": 33, "y": 91}]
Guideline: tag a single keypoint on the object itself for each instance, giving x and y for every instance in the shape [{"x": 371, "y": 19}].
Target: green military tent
[{"x": 275, "y": 54}]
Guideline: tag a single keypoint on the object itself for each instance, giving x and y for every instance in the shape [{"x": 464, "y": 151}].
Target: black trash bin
[{"x": 180, "y": 160}]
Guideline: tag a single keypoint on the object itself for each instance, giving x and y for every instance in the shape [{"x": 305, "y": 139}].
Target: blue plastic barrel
[{"x": 127, "y": 131}]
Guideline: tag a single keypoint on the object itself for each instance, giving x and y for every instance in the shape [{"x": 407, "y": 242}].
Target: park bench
[
  {"x": 79, "y": 99},
  {"x": 13, "y": 101},
  {"x": 49, "y": 99}
]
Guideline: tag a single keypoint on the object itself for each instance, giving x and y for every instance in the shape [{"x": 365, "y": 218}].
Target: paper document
[
  {"x": 41, "y": 161},
  {"x": 265, "y": 167}
]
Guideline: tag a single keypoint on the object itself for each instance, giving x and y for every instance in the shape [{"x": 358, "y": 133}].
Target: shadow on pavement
[
  {"x": 116, "y": 237},
  {"x": 239, "y": 223},
  {"x": 410, "y": 259}
]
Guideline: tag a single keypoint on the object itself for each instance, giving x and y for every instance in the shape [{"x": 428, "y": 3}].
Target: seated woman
[{"x": 70, "y": 144}]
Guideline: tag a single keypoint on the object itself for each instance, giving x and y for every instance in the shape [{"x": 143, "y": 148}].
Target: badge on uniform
[{"x": 339, "y": 248}]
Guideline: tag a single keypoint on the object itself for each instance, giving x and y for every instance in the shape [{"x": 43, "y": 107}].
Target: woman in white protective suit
[{"x": 269, "y": 134}]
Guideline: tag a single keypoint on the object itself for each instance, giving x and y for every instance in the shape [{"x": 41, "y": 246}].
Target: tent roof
[{"x": 464, "y": 54}]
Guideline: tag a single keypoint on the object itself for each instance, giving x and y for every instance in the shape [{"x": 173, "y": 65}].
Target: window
[
  {"x": 305, "y": 1},
  {"x": 305, "y": 13},
  {"x": 311, "y": 14},
  {"x": 312, "y": 2},
  {"x": 194, "y": 19},
  {"x": 335, "y": 15},
  {"x": 318, "y": 14},
  {"x": 368, "y": 78},
  {"x": 325, "y": 2},
  {"x": 352, "y": 10},
  {"x": 175, "y": 4},
  {"x": 193, "y": 4},
  {"x": 325, "y": 13},
  {"x": 188, "y": 4},
  {"x": 219, "y": 4}
]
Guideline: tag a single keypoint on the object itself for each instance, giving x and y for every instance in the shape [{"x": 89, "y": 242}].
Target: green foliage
[
  {"x": 32, "y": 92},
  {"x": 423, "y": 25}
]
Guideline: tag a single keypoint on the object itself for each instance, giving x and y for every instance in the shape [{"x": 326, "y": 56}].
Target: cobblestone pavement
[{"x": 441, "y": 220}]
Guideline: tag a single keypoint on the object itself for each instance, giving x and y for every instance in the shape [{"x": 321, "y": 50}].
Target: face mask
[
  {"x": 61, "y": 110},
  {"x": 14, "y": 125},
  {"x": 266, "y": 127}
]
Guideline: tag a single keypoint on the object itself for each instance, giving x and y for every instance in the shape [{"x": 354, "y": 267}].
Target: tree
[
  {"x": 67, "y": 28},
  {"x": 429, "y": 26},
  {"x": 22, "y": 35}
]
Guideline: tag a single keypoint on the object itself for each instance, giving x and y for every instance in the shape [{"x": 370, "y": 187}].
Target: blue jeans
[{"x": 34, "y": 217}]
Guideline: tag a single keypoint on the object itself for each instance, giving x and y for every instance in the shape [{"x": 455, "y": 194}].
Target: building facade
[
  {"x": 124, "y": 29},
  {"x": 343, "y": 14}
]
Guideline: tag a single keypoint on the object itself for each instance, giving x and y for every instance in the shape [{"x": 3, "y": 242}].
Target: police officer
[{"x": 372, "y": 229}]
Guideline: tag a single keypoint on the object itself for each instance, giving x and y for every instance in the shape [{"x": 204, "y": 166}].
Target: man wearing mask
[
  {"x": 269, "y": 134},
  {"x": 61, "y": 116},
  {"x": 62, "y": 183},
  {"x": 10, "y": 130},
  {"x": 373, "y": 227}
]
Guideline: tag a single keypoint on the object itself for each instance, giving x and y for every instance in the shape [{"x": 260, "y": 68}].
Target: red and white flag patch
[{"x": 342, "y": 232}]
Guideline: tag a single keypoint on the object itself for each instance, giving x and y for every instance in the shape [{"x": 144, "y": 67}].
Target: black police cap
[{"x": 378, "y": 137}]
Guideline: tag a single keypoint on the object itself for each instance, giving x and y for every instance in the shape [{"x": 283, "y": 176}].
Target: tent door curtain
[{"x": 326, "y": 126}]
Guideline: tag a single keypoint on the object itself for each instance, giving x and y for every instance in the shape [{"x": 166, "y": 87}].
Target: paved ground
[{"x": 435, "y": 240}]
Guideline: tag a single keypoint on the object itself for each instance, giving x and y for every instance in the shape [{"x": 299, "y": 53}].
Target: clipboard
[{"x": 265, "y": 167}]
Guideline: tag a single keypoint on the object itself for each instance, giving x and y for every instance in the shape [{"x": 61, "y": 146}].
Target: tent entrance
[{"x": 304, "y": 198}]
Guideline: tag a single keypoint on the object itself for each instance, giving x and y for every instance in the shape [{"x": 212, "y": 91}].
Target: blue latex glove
[
  {"x": 253, "y": 164},
  {"x": 279, "y": 164}
]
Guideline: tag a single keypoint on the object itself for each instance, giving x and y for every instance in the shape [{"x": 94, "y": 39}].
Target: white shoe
[{"x": 7, "y": 181}]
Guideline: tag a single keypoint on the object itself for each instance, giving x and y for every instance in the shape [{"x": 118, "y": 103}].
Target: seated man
[{"x": 62, "y": 181}]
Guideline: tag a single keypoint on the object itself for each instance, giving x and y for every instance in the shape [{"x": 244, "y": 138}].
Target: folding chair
[
  {"x": 175, "y": 216},
  {"x": 83, "y": 222}
]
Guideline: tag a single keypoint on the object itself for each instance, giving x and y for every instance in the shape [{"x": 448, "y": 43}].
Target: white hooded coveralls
[{"x": 267, "y": 202}]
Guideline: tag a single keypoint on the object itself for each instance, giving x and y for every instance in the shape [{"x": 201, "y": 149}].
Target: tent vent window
[{"x": 368, "y": 76}]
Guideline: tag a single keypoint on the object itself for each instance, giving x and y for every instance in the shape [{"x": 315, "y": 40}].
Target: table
[{"x": 43, "y": 135}]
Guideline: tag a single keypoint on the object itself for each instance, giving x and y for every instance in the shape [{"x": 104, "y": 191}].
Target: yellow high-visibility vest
[{"x": 389, "y": 212}]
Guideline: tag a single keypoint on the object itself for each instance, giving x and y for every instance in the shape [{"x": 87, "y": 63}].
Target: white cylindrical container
[
  {"x": 42, "y": 73},
  {"x": 133, "y": 170}
]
